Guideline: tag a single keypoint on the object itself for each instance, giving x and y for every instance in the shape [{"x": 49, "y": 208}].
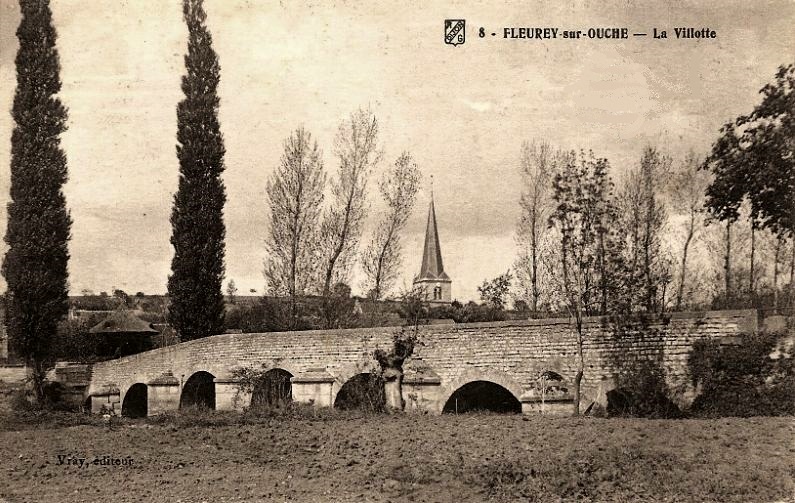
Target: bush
[
  {"x": 363, "y": 392},
  {"x": 22, "y": 399},
  {"x": 643, "y": 392},
  {"x": 75, "y": 343},
  {"x": 743, "y": 380},
  {"x": 204, "y": 417}
]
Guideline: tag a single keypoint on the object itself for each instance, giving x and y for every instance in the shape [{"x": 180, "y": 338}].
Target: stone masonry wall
[{"x": 511, "y": 353}]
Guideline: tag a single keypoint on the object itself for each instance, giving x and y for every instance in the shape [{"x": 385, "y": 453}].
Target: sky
[{"x": 463, "y": 112}]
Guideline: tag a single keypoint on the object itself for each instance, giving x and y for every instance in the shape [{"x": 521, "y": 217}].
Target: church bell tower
[{"x": 432, "y": 278}]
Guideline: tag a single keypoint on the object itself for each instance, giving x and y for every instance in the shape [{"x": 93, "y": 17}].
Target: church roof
[{"x": 432, "y": 267}]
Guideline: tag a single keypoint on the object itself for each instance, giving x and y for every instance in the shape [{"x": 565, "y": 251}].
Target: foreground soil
[{"x": 466, "y": 458}]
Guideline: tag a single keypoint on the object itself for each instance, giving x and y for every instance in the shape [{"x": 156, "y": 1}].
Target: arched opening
[
  {"x": 136, "y": 401},
  {"x": 198, "y": 391},
  {"x": 363, "y": 392},
  {"x": 482, "y": 395},
  {"x": 273, "y": 389}
]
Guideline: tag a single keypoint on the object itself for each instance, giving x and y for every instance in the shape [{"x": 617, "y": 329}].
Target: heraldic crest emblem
[{"x": 454, "y": 31}]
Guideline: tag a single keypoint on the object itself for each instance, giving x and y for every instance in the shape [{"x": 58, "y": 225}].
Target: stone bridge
[{"x": 481, "y": 364}]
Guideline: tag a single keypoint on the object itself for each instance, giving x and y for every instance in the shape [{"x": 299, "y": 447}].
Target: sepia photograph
[{"x": 384, "y": 252}]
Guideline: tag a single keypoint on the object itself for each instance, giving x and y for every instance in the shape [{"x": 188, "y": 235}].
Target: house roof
[
  {"x": 122, "y": 321},
  {"x": 432, "y": 267}
]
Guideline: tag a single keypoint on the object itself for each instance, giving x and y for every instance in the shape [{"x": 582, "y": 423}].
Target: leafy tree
[
  {"x": 338, "y": 307},
  {"x": 231, "y": 291},
  {"x": 38, "y": 232},
  {"x": 382, "y": 259},
  {"x": 357, "y": 150},
  {"x": 585, "y": 276},
  {"x": 753, "y": 158},
  {"x": 295, "y": 193},
  {"x": 122, "y": 296},
  {"x": 194, "y": 287},
  {"x": 495, "y": 292}
]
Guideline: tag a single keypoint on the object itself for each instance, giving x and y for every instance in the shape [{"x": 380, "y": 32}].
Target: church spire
[
  {"x": 432, "y": 267},
  {"x": 432, "y": 279}
]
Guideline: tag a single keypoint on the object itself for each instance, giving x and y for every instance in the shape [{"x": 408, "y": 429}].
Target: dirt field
[{"x": 467, "y": 458}]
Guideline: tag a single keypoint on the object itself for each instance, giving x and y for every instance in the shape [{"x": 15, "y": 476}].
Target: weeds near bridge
[{"x": 753, "y": 378}]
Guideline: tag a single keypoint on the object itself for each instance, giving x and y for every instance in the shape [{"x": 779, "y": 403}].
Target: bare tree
[
  {"x": 382, "y": 258},
  {"x": 357, "y": 151},
  {"x": 295, "y": 194},
  {"x": 644, "y": 216},
  {"x": 538, "y": 164},
  {"x": 686, "y": 189}
]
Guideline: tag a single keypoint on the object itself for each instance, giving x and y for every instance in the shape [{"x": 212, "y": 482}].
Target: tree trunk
[
  {"x": 751, "y": 282},
  {"x": 602, "y": 273},
  {"x": 791, "y": 289},
  {"x": 580, "y": 368},
  {"x": 534, "y": 272},
  {"x": 727, "y": 261},
  {"x": 683, "y": 273},
  {"x": 293, "y": 273},
  {"x": 393, "y": 389},
  {"x": 577, "y": 386},
  {"x": 38, "y": 374},
  {"x": 647, "y": 264},
  {"x": 775, "y": 274}
]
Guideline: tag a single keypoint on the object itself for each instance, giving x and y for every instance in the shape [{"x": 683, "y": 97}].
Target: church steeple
[
  {"x": 432, "y": 276},
  {"x": 432, "y": 266}
]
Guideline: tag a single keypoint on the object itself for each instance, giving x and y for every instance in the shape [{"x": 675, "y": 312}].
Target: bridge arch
[
  {"x": 363, "y": 391},
  {"x": 495, "y": 380},
  {"x": 198, "y": 391},
  {"x": 136, "y": 401},
  {"x": 273, "y": 389},
  {"x": 482, "y": 395}
]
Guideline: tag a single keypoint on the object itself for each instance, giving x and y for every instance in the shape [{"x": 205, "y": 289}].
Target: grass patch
[{"x": 303, "y": 454}]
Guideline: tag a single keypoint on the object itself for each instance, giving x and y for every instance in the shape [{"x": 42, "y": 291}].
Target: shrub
[
  {"x": 363, "y": 392},
  {"x": 743, "y": 380},
  {"x": 643, "y": 392}
]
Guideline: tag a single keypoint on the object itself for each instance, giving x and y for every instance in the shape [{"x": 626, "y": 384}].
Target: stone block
[
  {"x": 229, "y": 396},
  {"x": 105, "y": 398},
  {"x": 163, "y": 394},
  {"x": 315, "y": 386}
]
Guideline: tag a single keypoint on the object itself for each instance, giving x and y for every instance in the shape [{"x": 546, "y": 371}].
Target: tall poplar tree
[
  {"x": 35, "y": 265},
  {"x": 195, "y": 285},
  {"x": 382, "y": 258},
  {"x": 356, "y": 147},
  {"x": 295, "y": 195}
]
